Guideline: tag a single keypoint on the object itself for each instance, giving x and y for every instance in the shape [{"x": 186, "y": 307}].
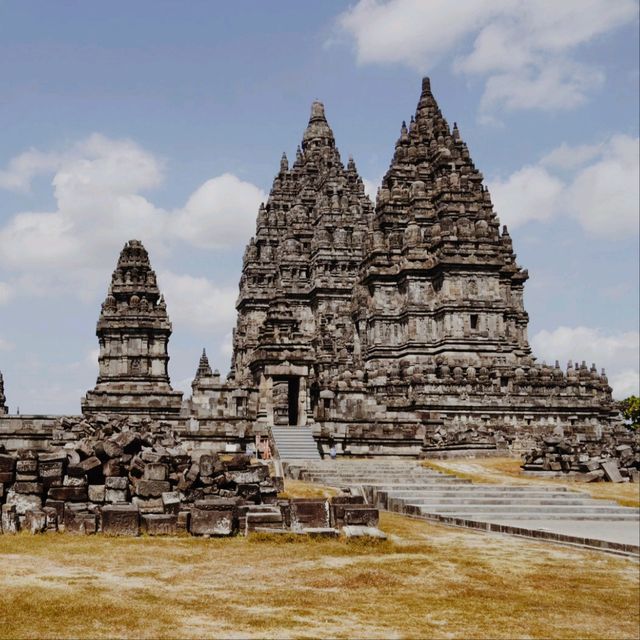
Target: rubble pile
[
  {"x": 613, "y": 457},
  {"x": 465, "y": 437},
  {"x": 126, "y": 476}
]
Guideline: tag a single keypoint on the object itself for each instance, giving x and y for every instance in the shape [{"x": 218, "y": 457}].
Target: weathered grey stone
[
  {"x": 120, "y": 520},
  {"x": 361, "y": 515},
  {"x": 171, "y": 502},
  {"x": 155, "y": 471},
  {"x": 23, "y": 502},
  {"x": 96, "y": 492},
  {"x": 10, "y": 522},
  {"x": 116, "y": 495},
  {"x": 35, "y": 521},
  {"x": 116, "y": 482},
  {"x": 212, "y": 522},
  {"x": 165, "y": 524},
  {"x": 152, "y": 488},
  {"x": 309, "y": 513},
  {"x": 612, "y": 471}
]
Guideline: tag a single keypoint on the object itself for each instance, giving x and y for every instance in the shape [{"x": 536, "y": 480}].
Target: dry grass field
[
  {"x": 426, "y": 581},
  {"x": 507, "y": 471}
]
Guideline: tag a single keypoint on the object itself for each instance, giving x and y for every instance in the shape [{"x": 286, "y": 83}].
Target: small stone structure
[{"x": 133, "y": 332}]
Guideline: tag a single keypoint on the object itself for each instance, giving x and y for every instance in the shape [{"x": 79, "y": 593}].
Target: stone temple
[{"x": 380, "y": 329}]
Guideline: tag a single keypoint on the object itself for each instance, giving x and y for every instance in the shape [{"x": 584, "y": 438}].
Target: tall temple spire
[
  {"x": 133, "y": 331},
  {"x": 318, "y": 131},
  {"x": 204, "y": 369},
  {"x": 3, "y": 399}
]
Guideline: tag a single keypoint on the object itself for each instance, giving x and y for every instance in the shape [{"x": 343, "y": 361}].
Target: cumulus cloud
[
  {"x": 196, "y": 303},
  {"x": 99, "y": 185},
  {"x": 595, "y": 184},
  {"x": 530, "y": 193},
  {"x": 522, "y": 48},
  {"x": 221, "y": 211},
  {"x": 617, "y": 352}
]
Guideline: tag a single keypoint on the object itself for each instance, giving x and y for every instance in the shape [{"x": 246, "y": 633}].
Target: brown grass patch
[
  {"x": 299, "y": 489},
  {"x": 507, "y": 471},
  {"x": 426, "y": 581}
]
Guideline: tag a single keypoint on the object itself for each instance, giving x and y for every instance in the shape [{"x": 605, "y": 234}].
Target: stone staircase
[
  {"x": 295, "y": 443},
  {"x": 409, "y": 488}
]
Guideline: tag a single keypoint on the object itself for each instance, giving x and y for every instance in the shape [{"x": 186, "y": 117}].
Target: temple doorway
[{"x": 286, "y": 395}]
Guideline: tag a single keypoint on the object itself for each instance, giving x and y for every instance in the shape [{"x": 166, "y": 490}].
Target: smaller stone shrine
[
  {"x": 3, "y": 399},
  {"x": 133, "y": 330}
]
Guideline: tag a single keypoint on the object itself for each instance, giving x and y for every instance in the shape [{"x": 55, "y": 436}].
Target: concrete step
[{"x": 539, "y": 509}]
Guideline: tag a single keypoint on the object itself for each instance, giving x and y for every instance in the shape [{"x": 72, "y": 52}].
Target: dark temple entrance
[{"x": 286, "y": 394}]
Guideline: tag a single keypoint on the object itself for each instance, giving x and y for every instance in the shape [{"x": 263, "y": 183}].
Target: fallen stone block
[
  {"x": 267, "y": 519},
  {"x": 213, "y": 522},
  {"x": 23, "y": 502},
  {"x": 7, "y": 463},
  {"x": 96, "y": 492},
  {"x": 9, "y": 521},
  {"x": 51, "y": 517},
  {"x": 27, "y": 466},
  {"x": 58, "y": 505},
  {"x": 355, "y": 531},
  {"x": 69, "y": 494},
  {"x": 128, "y": 441},
  {"x": 171, "y": 502},
  {"x": 120, "y": 520},
  {"x": 338, "y": 504},
  {"x": 72, "y": 481},
  {"x": 53, "y": 456},
  {"x": 106, "y": 449},
  {"x": 184, "y": 521},
  {"x": 148, "y": 505},
  {"x": 155, "y": 471},
  {"x": 121, "y": 483},
  {"x": 361, "y": 515},
  {"x": 79, "y": 522},
  {"x": 53, "y": 469},
  {"x": 309, "y": 512},
  {"x": 320, "y": 532},
  {"x": 113, "y": 467},
  {"x": 152, "y": 488},
  {"x": 28, "y": 487},
  {"x": 115, "y": 495},
  {"x": 160, "y": 524},
  {"x": 611, "y": 471},
  {"x": 35, "y": 521}
]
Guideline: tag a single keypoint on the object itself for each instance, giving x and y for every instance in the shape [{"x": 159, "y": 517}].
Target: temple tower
[
  {"x": 294, "y": 309},
  {"x": 133, "y": 331},
  {"x": 3, "y": 399},
  {"x": 439, "y": 278}
]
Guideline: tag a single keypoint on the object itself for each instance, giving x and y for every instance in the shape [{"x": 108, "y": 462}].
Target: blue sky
[{"x": 165, "y": 121}]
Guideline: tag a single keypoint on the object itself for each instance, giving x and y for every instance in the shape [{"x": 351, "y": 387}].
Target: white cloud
[
  {"x": 5, "y": 345},
  {"x": 598, "y": 187},
  {"x": 528, "y": 194},
  {"x": 24, "y": 167},
  {"x": 618, "y": 353},
  {"x": 197, "y": 303},
  {"x": 97, "y": 184},
  {"x": 522, "y": 48},
  {"x": 605, "y": 196},
  {"x": 222, "y": 211}
]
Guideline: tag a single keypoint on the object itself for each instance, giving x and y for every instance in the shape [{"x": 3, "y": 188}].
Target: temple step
[{"x": 295, "y": 443}]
